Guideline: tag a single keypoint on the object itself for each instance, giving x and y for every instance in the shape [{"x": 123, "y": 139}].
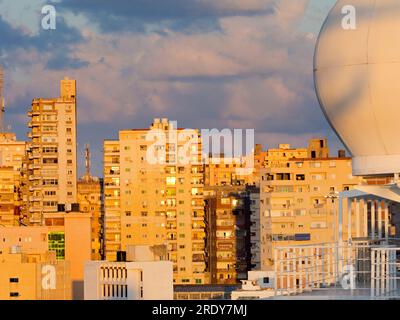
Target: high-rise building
[
  {"x": 52, "y": 166},
  {"x": 228, "y": 233},
  {"x": 297, "y": 200},
  {"x": 154, "y": 196},
  {"x": 12, "y": 157},
  {"x": 90, "y": 199}
]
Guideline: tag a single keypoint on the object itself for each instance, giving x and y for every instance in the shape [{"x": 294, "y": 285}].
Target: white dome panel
[{"x": 357, "y": 79}]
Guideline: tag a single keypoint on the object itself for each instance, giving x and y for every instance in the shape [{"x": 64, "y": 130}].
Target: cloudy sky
[{"x": 205, "y": 63}]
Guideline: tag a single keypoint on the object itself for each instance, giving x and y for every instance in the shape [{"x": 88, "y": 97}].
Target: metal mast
[
  {"x": 87, "y": 160},
  {"x": 2, "y": 107}
]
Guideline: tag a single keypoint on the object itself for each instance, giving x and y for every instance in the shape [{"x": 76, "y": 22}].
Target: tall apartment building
[
  {"x": 294, "y": 204},
  {"x": 12, "y": 155},
  {"x": 228, "y": 233},
  {"x": 90, "y": 199},
  {"x": 52, "y": 165},
  {"x": 160, "y": 202}
]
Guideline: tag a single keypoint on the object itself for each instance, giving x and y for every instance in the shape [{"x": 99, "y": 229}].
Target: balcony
[
  {"x": 34, "y": 166},
  {"x": 198, "y": 216},
  {"x": 35, "y": 198},
  {"x": 198, "y": 205},
  {"x": 197, "y": 195},
  {"x": 198, "y": 248},
  {"x": 33, "y": 124},
  {"x": 198, "y": 237},
  {"x": 112, "y": 173}
]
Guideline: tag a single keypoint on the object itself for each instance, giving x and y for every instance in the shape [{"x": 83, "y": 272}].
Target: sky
[{"x": 237, "y": 64}]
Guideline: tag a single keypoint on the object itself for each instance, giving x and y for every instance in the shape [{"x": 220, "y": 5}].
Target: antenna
[
  {"x": 2, "y": 108},
  {"x": 87, "y": 160}
]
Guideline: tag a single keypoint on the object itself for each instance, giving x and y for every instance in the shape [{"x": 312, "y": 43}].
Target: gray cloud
[
  {"x": 156, "y": 15},
  {"x": 255, "y": 71}
]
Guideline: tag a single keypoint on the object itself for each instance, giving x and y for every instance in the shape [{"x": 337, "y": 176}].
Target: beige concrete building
[
  {"x": 66, "y": 235},
  {"x": 8, "y": 198},
  {"x": 29, "y": 271},
  {"x": 70, "y": 237},
  {"x": 153, "y": 196},
  {"x": 12, "y": 156},
  {"x": 221, "y": 171},
  {"x": 144, "y": 276},
  {"x": 297, "y": 200},
  {"x": 52, "y": 166}
]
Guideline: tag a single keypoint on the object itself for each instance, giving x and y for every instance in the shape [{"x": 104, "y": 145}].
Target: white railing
[{"x": 363, "y": 269}]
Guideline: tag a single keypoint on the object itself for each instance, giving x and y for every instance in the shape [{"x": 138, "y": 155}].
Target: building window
[
  {"x": 14, "y": 280},
  {"x": 266, "y": 280},
  {"x": 56, "y": 242},
  {"x": 14, "y": 294}
]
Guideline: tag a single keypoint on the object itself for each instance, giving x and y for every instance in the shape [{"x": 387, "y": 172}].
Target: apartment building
[
  {"x": 90, "y": 200},
  {"x": 255, "y": 226},
  {"x": 52, "y": 166},
  {"x": 29, "y": 269},
  {"x": 297, "y": 200},
  {"x": 154, "y": 196},
  {"x": 9, "y": 215},
  {"x": 12, "y": 156},
  {"x": 228, "y": 233},
  {"x": 69, "y": 235}
]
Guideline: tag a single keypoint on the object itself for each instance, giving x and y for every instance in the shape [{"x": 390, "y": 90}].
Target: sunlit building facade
[
  {"x": 30, "y": 270},
  {"x": 298, "y": 202},
  {"x": 157, "y": 200},
  {"x": 52, "y": 166},
  {"x": 12, "y": 156}
]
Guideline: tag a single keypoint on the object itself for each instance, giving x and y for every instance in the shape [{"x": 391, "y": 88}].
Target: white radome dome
[{"x": 357, "y": 80}]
